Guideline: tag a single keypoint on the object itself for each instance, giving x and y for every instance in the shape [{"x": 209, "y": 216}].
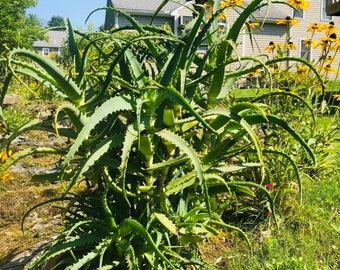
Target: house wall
[
  {"x": 145, "y": 20},
  {"x": 277, "y": 33}
]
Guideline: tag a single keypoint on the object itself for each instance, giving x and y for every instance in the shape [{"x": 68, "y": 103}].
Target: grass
[
  {"x": 308, "y": 234},
  {"x": 307, "y": 238}
]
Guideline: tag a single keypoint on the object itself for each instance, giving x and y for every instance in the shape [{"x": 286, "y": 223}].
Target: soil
[{"x": 18, "y": 195}]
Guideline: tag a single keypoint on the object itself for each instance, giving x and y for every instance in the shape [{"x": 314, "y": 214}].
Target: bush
[{"x": 167, "y": 158}]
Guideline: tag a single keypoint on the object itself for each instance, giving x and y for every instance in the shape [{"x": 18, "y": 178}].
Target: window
[
  {"x": 45, "y": 51},
  {"x": 324, "y": 15},
  {"x": 298, "y": 13},
  {"x": 305, "y": 52}
]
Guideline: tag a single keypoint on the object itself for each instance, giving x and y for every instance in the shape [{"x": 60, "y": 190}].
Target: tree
[
  {"x": 17, "y": 29},
  {"x": 56, "y": 21}
]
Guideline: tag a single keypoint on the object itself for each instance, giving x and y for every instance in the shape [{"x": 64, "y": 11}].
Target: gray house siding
[
  {"x": 143, "y": 12},
  {"x": 145, "y": 20}
]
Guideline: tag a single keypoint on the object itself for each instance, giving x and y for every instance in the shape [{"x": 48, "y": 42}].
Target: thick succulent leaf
[
  {"x": 77, "y": 118},
  {"x": 179, "y": 184},
  {"x": 273, "y": 119},
  {"x": 166, "y": 222},
  {"x": 66, "y": 85},
  {"x": 96, "y": 154},
  {"x": 131, "y": 136},
  {"x": 133, "y": 226},
  {"x": 61, "y": 246},
  {"x": 112, "y": 105},
  {"x": 97, "y": 251},
  {"x": 183, "y": 146}
]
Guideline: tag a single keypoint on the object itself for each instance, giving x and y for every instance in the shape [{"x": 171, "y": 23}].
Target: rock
[{"x": 12, "y": 100}]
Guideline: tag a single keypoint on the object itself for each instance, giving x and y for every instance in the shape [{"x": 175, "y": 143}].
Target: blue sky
[{"x": 76, "y": 10}]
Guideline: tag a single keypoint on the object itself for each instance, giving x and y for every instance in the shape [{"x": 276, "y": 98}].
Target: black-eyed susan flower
[
  {"x": 329, "y": 39},
  {"x": 315, "y": 27},
  {"x": 330, "y": 28},
  {"x": 234, "y": 2},
  {"x": 276, "y": 71},
  {"x": 5, "y": 155},
  {"x": 328, "y": 69},
  {"x": 271, "y": 47},
  {"x": 302, "y": 71},
  {"x": 7, "y": 176},
  {"x": 336, "y": 97},
  {"x": 330, "y": 59},
  {"x": 289, "y": 21},
  {"x": 310, "y": 42},
  {"x": 290, "y": 46},
  {"x": 254, "y": 74},
  {"x": 302, "y": 4}
]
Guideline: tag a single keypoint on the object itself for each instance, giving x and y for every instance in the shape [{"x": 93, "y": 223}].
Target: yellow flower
[
  {"x": 302, "y": 4},
  {"x": 310, "y": 43},
  {"x": 329, "y": 39},
  {"x": 276, "y": 71},
  {"x": 302, "y": 71},
  {"x": 315, "y": 27},
  {"x": 6, "y": 176},
  {"x": 222, "y": 16},
  {"x": 5, "y": 155},
  {"x": 253, "y": 74},
  {"x": 271, "y": 47},
  {"x": 251, "y": 24},
  {"x": 330, "y": 59},
  {"x": 233, "y": 2},
  {"x": 336, "y": 97},
  {"x": 330, "y": 28},
  {"x": 328, "y": 69},
  {"x": 290, "y": 46},
  {"x": 289, "y": 21}
]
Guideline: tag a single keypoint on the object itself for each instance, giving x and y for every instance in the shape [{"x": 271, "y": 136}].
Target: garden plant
[{"x": 169, "y": 158}]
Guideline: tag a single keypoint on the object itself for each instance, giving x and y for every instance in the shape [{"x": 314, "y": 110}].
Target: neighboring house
[
  {"x": 53, "y": 45},
  {"x": 174, "y": 14},
  {"x": 271, "y": 31}
]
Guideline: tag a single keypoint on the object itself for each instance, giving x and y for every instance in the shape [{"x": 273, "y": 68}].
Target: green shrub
[{"x": 166, "y": 157}]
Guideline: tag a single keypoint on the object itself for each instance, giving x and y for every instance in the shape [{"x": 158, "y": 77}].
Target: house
[
  {"x": 179, "y": 12},
  {"x": 270, "y": 31},
  {"x": 176, "y": 14},
  {"x": 173, "y": 14},
  {"x": 53, "y": 45}
]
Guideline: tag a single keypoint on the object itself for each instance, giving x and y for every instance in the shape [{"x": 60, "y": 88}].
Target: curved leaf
[{"x": 183, "y": 146}]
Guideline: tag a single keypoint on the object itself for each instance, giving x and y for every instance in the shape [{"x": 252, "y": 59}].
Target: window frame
[
  {"x": 303, "y": 50},
  {"x": 45, "y": 51},
  {"x": 323, "y": 15},
  {"x": 299, "y": 13}
]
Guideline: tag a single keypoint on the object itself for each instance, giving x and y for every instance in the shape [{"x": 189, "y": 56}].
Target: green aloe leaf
[
  {"x": 273, "y": 119},
  {"x": 183, "y": 146},
  {"x": 133, "y": 226},
  {"x": 115, "y": 104},
  {"x": 66, "y": 85}
]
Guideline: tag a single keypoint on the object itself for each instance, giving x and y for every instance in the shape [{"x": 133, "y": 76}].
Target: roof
[
  {"x": 147, "y": 6},
  {"x": 270, "y": 15},
  {"x": 56, "y": 39}
]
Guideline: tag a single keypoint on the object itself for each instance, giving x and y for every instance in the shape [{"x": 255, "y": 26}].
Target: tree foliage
[
  {"x": 56, "y": 21},
  {"x": 17, "y": 29}
]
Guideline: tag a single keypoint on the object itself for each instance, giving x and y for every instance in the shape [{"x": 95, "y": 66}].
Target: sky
[{"x": 76, "y": 10}]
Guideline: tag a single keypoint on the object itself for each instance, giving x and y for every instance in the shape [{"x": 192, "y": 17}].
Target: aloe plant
[{"x": 164, "y": 153}]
